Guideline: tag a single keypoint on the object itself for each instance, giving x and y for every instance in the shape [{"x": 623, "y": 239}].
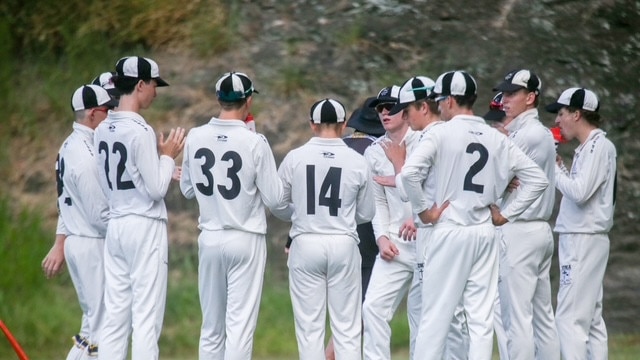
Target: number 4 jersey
[
  {"x": 232, "y": 173},
  {"x": 328, "y": 184},
  {"x": 132, "y": 175}
]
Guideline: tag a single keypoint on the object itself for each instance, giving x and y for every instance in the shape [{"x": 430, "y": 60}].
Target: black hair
[{"x": 465, "y": 101}]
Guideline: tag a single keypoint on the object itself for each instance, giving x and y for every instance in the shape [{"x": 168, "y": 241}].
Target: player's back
[
  {"x": 472, "y": 168},
  {"x": 329, "y": 188},
  {"x": 231, "y": 172},
  {"x": 128, "y": 166}
]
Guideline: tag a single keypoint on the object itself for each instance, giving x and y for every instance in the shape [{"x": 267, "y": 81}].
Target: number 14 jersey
[{"x": 328, "y": 184}]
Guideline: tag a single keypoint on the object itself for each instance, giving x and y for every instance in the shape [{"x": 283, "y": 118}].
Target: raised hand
[{"x": 174, "y": 144}]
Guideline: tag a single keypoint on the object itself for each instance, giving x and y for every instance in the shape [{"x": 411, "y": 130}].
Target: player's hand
[
  {"x": 174, "y": 144},
  {"x": 431, "y": 216},
  {"x": 177, "y": 173},
  {"x": 53, "y": 263},
  {"x": 496, "y": 217},
  {"x": 389, "y": 181},
  {"x": 396, "y": 153},
  {"x": 513, "y": 184},
  {"x": 387, "y": 248},
  {"x": 408, "y": 230}
]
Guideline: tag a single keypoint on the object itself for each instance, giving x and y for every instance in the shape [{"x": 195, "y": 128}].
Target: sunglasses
[{"x": 385, "y": 106}]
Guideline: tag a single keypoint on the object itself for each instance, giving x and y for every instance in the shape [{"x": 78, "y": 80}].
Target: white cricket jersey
[
  {"x": 391, "y": 210},
  {"x": 472, "y": 164},
  {"x": 232, "y": 173},
  {"x": 589, "y": 191},
  {"x": 535, "y": 140},
  {"x": 329, "y": 186},
  {"x": 83, "y": 208},
  {"x": 132, "y": 174}
]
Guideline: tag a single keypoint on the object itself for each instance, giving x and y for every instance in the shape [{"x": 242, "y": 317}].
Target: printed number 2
[
  {"x": 476, "y": 167},
  {"x": 330, "y": 186},
  {"x": 118, "y": 147}
]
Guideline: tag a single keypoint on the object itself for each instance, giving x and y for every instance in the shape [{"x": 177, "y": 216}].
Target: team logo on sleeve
[
  {"x": 328, "y": 155},
  {"x": 222, "y": 138}
]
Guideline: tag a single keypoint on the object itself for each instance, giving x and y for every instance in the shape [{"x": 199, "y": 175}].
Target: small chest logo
[
  {"x": 222, "y": 138},
  {"x": 112, "y": 128},
  {"x": 328, "y": 155}
]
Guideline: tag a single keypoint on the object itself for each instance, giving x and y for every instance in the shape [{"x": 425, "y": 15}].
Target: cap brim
[
  {"x": 382, "y": 100},
  {"x": 161, "y": 82},
  {"x": 507, "y": 87},
  {"x": 399, "y": 107},
  {"x": 555, "y": 107},
  {"x": 494, "y": 115},
  {"x": 111, "y": 103}
]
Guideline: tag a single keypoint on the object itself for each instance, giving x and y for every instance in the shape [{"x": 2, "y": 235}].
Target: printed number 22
[
  {"x": 476, "y": 167},
  {"x": 118, "y": 147},
  {"x": 330, "y": 186}
]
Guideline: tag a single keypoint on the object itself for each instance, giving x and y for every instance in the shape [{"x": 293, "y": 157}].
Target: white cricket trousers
[
  {"x": 136, "y": 265},
  {"x": 84, "y": 257},
  {"x": 230, "y": 277},
  {"x": 460, "y": 266},
  {"x": 526, "y": 248},
  {"x": 325, "y": 270},
  {"x": 581, "y": 328},
  {"x": 390, "y": 282}
]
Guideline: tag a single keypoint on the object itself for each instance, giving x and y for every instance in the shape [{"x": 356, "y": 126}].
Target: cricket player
[
  {"x": 82, "y": 217},
  {"x": 526, "y": 243},
  {"x": 472, "y": 164},
  {"x": 327, "y": 185},
  {"x": 395, "y": 267},
  {"x": 135, "y": 179},
  {"x": 584, "y": 220},
  {"x": 231, "y": 172}
]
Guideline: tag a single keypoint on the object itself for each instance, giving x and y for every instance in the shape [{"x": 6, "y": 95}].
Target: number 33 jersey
[
  {"x": 329, "y": 186},
  {"x": 231, "y": 171},
  {"x": 132, "y": 175}
]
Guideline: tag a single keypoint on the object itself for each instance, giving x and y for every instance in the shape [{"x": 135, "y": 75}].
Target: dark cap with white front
[
  {"x": 137, "y": 67},
  {"x": 456, "y": 83},
  {"x": 91, "y": 96},
  {"x": 234, "y": 86},
  {"x": 386, "y": 95},
  {"x": 327, "y": 111},
  {"x": 414, "y": 89},
  {"x": 520, "y": 79},
  {"x": 579, "y": 98}
]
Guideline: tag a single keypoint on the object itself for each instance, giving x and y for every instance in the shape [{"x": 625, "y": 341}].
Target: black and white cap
[
  {"x": 520, "y": 79},
  {"x": 388, "y": 94},
  {"x": 139, "y": 68},
  {"x": 105, "y": 80},
  {"x": 91, "y": 96},
  {"x": 457, "y": 83},
  {"x": 327, "y": 111},
  {"x": 234, "y": 86},
  {"x": 579, "y": 98},
  {"x": 414, "y": 89}
]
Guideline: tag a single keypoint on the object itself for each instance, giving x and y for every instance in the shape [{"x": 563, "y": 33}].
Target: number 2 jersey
[
  {"x": 232, "y": 173},
  {"x": 472, "y": 163},
  {"x": 328, "y": 184},
  {"x": 132, "y": 175}
]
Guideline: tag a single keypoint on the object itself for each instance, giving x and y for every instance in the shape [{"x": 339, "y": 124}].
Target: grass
[{"x": 44, "y": 314}]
